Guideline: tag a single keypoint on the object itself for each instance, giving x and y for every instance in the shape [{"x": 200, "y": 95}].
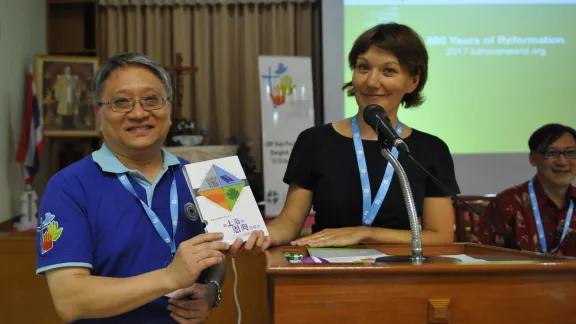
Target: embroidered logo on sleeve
[{"x": 49, "y": 232}]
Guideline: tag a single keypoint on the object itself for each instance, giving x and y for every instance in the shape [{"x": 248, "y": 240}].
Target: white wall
[
  {"x": 22, "y": 36},
  {"x": 333, "y": 59}
]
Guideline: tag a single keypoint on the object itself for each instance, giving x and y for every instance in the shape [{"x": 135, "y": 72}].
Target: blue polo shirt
[{"x": 87, "y": 218}]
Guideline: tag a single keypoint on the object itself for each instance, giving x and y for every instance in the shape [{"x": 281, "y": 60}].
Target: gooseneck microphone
[{"x": 376, "y": 117}]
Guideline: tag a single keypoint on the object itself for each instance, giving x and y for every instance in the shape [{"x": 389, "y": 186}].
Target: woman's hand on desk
[
  {"x": 334, "y": 237},
  {"x": 257, "y": 242}
]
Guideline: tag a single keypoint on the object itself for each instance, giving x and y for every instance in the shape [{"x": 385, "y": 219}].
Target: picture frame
[{"x": 64, "y": 95}]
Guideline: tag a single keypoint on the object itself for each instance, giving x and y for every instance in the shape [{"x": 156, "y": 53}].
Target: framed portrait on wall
[{"x": 63, "y": 89}]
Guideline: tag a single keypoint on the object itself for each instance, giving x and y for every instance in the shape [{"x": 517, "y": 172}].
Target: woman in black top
[{"x": 389, "y": 64}]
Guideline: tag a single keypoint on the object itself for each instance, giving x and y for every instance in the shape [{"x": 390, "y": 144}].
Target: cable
[
  {"x": 236, "y": 291},
  {"x": 470, "y": 208}
]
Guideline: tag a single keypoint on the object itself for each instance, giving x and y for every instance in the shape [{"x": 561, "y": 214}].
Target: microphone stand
[{"x": 417, "y": 255}]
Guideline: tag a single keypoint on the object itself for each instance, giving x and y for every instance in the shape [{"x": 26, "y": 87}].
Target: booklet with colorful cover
[{"x": 224, "y": 199}]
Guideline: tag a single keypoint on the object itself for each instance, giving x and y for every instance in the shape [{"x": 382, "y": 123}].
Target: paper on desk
[
  {"x": 363, "y": 259},
  {"x": 370, "y": 258},
  {"x": 346, "y": 255}
]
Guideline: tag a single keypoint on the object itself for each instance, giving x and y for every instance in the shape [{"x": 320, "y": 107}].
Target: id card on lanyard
[
  {"x": 538, "y": 220},
  {"x": 370, "y": 210},
  {"x": 160, "y": 229}
]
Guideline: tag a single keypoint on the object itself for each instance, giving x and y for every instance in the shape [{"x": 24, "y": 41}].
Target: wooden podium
[{"x": 512, "y": 287}]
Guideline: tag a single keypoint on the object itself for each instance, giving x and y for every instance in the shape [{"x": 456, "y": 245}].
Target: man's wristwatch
[{"x": 218, "y": 292}]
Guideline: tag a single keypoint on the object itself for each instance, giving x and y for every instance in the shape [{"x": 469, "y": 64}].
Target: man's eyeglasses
[
  {"x": 553, "y": 154},
  {"x": 123, "y": 105}
]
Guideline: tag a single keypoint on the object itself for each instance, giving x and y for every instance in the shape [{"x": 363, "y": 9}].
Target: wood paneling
[
  {"x": 514, "y": 287},
  {"x": 25, "y": 296}
]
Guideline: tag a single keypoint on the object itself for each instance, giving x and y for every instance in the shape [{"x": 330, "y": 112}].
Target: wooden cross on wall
[{"x": 179, "y": 72}]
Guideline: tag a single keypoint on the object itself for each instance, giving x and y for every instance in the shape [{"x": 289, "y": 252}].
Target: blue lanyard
[
  {"x": 369, "y": 210},
  {"x": 538, "y": 220},
  {"x": 152, "y": 215}
]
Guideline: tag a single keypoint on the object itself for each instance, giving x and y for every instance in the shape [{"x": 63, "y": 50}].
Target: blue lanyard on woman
[
  {"x": 160, "y": 229},
  {"x": 538, "y": 220},
  {"x": 369, "y": 210}
]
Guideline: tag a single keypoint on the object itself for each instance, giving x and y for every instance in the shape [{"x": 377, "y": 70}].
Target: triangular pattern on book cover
[
  {"x": 217, "y": 196},
  {"x": 221, "y": 187},
  {"x": 210, "y": 181},
  {"x": 226, "y": 179}
]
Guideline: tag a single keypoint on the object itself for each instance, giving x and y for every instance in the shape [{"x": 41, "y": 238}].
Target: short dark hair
[
  {"x": 401, "y": 41},
  {"x": 127, "y": 59},
  {"x": 544, "y": 136}
]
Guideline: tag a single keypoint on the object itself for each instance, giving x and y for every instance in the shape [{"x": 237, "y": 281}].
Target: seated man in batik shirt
[{"x": 539, "y": 213}]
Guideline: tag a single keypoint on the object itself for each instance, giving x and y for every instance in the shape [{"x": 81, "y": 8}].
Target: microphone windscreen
[{"x": 372, "y": 114}]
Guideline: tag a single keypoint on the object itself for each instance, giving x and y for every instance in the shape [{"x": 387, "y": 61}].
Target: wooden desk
[
  {"x": 25, "y": 297},
  {"x": 514, "y": 287}
]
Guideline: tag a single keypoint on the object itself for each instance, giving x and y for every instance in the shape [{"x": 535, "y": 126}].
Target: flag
[{"x": 31, "y": 144}]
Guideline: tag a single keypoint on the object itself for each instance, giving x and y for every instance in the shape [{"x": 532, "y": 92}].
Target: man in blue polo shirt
[{"x": 119, "y": 238}]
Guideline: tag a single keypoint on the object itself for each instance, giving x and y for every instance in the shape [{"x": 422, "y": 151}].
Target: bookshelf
[
  {"x": 72, "y": 27},
  {"x": 71, "y": 30}
]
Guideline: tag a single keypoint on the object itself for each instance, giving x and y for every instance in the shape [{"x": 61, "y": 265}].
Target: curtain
[{"x": 222, "y": 39}]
